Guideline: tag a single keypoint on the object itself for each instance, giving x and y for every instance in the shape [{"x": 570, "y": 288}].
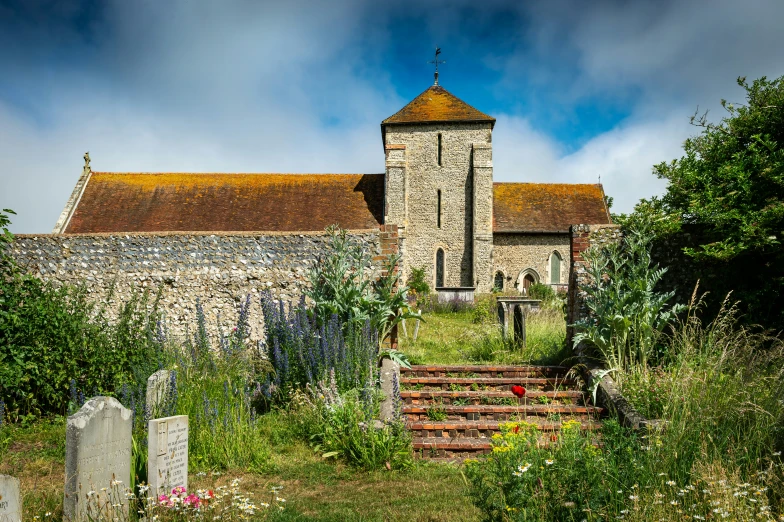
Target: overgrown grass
[
  {"x": 716, "y": 455},
  {"x": 472, "y": 334}
]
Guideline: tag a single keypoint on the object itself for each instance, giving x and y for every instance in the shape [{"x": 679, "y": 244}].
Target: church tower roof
[{"x": 437, "y": 104}]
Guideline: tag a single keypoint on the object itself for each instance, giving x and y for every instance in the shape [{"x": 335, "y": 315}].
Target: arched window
[
  {"x": 439, "y": 268},
  {"x": 555, "y": 268},
  {"x": 498, "y": 281},
  {"x": 438, "y": 193},
  {"x": 439, "y": 149}
]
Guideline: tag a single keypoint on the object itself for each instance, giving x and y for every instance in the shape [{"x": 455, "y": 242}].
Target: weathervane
[{"x": 436, "y": 61}]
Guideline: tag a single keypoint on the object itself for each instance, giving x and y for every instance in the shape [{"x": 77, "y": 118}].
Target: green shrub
[
  {"x": 54, "y": 341},
  {"x": 343, "y": 426},
  {"x": 541, "y": 291},
  {"x": 416, "y": 282}
]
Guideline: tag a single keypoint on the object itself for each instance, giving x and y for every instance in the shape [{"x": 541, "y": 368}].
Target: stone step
[
  {"x": 491, "y": 397},
  {"x": 473, "y": 429},
  {"x": 483, "y": 371},
  {"x": 484, "y": 383},
  {"x": 483, "y": 412}
]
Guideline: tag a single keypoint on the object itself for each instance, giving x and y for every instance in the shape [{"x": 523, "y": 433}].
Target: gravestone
[
  {"x": 157, "y": 388},
  {"x": 167, "y": 454},
  {"x": 10, "y": 500},
  {"x": 97, "y": 455}
]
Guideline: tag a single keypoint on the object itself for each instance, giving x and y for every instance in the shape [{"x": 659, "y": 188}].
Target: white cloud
[{"x": 623, "y": 157}]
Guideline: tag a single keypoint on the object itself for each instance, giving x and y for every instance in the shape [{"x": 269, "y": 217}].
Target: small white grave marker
[
  {"x": 167, "y": 454},
  {"x": 10, "y": 500},
  {"x": 97, "y": 460}
]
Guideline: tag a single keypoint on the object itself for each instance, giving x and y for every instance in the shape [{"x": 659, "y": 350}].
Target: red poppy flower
[
  {"x": 517, "y": 429},
  {"x": 518, "y": 390}
]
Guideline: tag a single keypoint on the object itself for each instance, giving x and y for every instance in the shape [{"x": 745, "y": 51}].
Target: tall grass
[
  {"x": 214, "y": 383},
  {"x": 716, "y": 455}
]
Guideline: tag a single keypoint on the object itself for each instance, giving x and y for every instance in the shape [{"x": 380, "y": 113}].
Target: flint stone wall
[{"x": 219, "y": 269}]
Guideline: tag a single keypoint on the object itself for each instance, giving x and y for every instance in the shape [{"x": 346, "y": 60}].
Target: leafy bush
[
  {"x": 53, "y": 340},
  {"x": 541, "y": 291},
  {"x": 627, "y": 315},
  {"x": 417, "y": 284},
  {"x": 343, "y": 426},
  {"x": 343, "y": 283}
]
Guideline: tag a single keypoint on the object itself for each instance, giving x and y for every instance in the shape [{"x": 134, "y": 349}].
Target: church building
[{"x": 453, "y": 220}]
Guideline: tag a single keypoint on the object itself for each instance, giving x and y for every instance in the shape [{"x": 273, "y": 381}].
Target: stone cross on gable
[{"x": 436, "y": 61}]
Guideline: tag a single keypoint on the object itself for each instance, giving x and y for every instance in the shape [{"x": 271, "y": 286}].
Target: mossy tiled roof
[
  {"x": 163, "y": 202},
  {"x": 437, "y": 104},
  {"x": 546, "y": 207}
]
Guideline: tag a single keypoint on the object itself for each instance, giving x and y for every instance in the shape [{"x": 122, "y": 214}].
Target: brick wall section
[
  {"x": 219, "y": 269},
  {"x": 581, "y": 238}
]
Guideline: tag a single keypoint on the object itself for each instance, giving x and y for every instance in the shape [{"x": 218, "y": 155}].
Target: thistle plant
[{"x": 626, "y": 314}]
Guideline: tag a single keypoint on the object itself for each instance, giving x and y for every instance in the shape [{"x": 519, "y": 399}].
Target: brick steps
[
  {"x": 483, "y": 371},
  {"x": 487, "y": 397},
  {"x": 486, "y": 412},
  {"x": 483, "y": 383},
  {"x": 453, "y": 411},
  {"x": 477, "y": 429}
]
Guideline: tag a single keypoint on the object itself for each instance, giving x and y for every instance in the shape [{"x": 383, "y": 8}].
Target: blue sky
[{"x": 580, "y": 89}]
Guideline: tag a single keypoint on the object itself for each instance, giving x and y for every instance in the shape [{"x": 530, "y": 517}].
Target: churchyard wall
[
  {"x": 219, "y": 269},
  {"x": 515, "y": 253},
  {"x": 412, "y": 157}
]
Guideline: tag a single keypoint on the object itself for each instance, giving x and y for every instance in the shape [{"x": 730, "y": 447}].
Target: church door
[{"x": 528, "y": 280}]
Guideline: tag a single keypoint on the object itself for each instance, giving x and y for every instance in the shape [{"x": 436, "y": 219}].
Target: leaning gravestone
[
  {"x": 10, "y": 503},
  {"x": 167, "y": 454},
  {"x": 157, "y": 388},
  {"x": 97, "y": 461}
]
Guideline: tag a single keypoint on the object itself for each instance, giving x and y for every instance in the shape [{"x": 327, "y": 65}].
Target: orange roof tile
[
  {"x": 437, "y": 104},
  {"x": 546, "y": 207},
  {"x": 148, "y": 202}
]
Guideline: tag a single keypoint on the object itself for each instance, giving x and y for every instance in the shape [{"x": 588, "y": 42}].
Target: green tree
[
  {"x": 726, "y": 197},
  {"x": 731, "y": 179}
]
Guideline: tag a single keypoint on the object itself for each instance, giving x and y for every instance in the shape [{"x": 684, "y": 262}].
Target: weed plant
[{"x": 343, "y": 425}]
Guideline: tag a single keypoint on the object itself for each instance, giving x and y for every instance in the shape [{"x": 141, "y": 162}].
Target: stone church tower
[{"x": 439, "y": 188}]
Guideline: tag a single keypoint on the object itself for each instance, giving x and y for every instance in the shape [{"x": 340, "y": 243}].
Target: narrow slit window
[
  {"x": 438, "y": 205},
  {"x": 439, "y": 268},
  {"x": 439, "y": 149}
]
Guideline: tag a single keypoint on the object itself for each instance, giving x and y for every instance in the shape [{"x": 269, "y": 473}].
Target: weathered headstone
[
  {"x": 157, "y": 388},
  {"x": 97, "y": 460},
  {"x": 10, "y": 500},
  {"x": 167, "y": 454}
]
